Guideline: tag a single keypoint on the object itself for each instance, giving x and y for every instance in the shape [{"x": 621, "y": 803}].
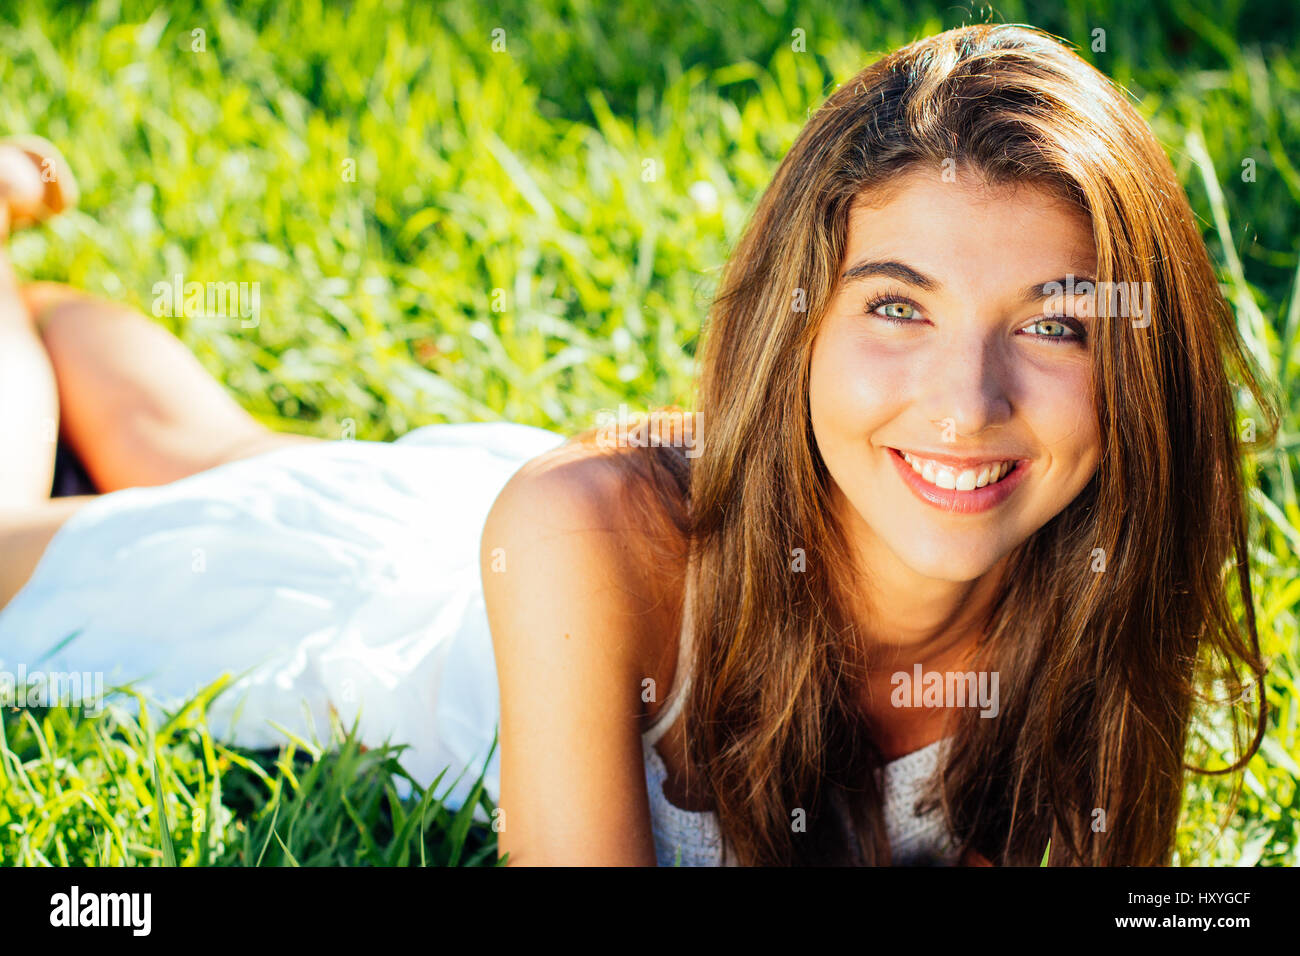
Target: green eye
[
  {"x": 1052, "y": 329},
  {"x": 1058, "y": 330},
  {"x": 898, "y": 310}
]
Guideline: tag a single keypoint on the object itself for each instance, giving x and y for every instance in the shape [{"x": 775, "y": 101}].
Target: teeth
[{"x": 943, "y": 476}]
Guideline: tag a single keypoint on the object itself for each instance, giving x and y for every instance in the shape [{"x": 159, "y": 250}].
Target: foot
[{"x": 35, "y": 182}]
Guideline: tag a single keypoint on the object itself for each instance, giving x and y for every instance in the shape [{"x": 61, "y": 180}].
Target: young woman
[{"x": 932, "y": 574}]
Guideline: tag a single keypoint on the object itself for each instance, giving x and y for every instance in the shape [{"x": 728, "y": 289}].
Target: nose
[{"x": 968, "y": 387}]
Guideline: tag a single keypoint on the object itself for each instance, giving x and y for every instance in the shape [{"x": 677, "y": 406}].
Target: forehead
[{"x": 968, "y": 228}]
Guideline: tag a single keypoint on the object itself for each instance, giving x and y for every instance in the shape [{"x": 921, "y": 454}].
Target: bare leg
[
  {"x": 24, "y": 535},
  {"x": 134, "y": 403},
  {"x": 138, "y": 407},
  {"x": 29, "y": 404}
]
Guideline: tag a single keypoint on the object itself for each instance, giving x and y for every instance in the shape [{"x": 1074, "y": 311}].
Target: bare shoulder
[
  {"x": 579, "y": 601},
  {"x": 594, "y": 520}
]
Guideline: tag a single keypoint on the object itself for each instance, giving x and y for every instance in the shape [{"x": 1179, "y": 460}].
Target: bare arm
[{"x": 558, "y": 582}]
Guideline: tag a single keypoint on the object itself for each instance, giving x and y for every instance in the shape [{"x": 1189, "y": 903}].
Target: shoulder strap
[{"x": 681, "y": 677}]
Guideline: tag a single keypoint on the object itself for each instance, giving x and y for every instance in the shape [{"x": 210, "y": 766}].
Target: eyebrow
[{"x": 893, "y": 269}]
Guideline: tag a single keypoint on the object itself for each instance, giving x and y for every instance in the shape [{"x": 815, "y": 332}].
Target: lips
[
  {"x": 1001, "y": 477},
  {"x": 956, "y": 473}
]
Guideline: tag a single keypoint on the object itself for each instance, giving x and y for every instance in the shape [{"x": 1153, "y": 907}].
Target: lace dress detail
[
  {"x": 691, "y": 838},
  {"x": 682, "y": 837}
]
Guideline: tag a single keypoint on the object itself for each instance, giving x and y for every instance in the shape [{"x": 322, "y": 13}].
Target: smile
[
  {"x": 960, "y": 479},
  {"x": 964, "y": 487}
]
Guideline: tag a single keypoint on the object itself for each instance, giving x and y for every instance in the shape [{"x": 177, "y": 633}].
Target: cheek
[
  {"x": 1060, "y": 411},
  {"x": 853, "y": 385},
  {"x": 1058, "y": 404}
]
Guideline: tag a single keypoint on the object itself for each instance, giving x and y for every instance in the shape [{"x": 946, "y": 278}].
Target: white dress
[{"x": 342, "y": 575}]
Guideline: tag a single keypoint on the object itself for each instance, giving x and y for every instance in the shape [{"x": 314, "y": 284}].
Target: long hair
[{"x": 1100, "y": 670}]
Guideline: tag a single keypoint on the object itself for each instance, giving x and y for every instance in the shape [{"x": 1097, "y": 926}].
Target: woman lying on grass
[{"x": 933, "y": 575}]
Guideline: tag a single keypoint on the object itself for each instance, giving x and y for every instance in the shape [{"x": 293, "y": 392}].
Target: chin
[
  {"x": 959, "y": 572},
  {"x": 944, "y": 558}
]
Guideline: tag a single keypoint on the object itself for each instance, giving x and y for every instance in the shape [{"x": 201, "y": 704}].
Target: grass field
[{"x": 451, "y": 223}]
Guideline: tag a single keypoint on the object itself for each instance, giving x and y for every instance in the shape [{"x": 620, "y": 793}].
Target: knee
[{"x": 42, "y": 298}]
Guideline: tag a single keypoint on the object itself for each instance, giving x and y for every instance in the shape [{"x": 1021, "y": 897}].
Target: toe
[{"x": 21, "y": 188}]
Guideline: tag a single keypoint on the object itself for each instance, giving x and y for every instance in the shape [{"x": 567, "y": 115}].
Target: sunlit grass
[{"x": 125, "y": 789}]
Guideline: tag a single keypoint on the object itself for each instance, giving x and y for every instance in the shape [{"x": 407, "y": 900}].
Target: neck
[{"x": 904, "y": 619}]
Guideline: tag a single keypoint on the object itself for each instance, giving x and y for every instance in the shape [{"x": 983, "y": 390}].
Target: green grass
[
  {"x": 518, "y": 179},
  {"x": 119, "y": 790}
]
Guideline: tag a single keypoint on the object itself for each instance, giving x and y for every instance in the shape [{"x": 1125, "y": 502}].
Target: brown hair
[{"x": 1099, "y": 671}]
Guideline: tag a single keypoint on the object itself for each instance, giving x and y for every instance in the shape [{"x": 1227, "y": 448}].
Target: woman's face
[{"x": 972, "y": 372}]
